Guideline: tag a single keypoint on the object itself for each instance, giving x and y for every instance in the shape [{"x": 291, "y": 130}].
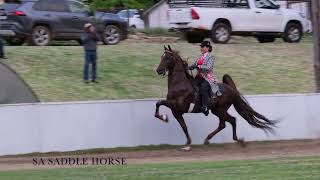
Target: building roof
[{"x": 145, "y": 13}]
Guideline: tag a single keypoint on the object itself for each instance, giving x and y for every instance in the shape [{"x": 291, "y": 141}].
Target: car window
[
  {"x": 124, "y": 13},
  {"x": 77, "y": 7},
  {"x": 237, "y": 4},
  {"x": 265, "y": 4},
  {"x": 9, "y": 7},
  {"x": 121, "y": 14},
  {"x": 51, "y": 5}
]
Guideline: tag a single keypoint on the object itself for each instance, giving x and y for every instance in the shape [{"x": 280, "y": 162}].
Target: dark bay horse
[{"x": 181, "y": 98}]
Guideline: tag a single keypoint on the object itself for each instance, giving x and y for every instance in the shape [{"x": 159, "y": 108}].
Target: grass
[
  {"x": 126, "y": 71},
  {"x": 284, "y": 168},
  {"x": 158, "y": 32}
]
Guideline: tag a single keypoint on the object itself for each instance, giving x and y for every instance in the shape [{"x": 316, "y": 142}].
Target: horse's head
[{"x": 168, "y": 62}]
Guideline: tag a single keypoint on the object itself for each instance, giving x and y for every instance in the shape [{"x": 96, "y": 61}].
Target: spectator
[
  {"x": 89, "y": 40},
  {"x": 2, "y": 56}
]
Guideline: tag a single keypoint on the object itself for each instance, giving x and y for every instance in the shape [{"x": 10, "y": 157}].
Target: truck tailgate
[{"x": 179, "y": 15}]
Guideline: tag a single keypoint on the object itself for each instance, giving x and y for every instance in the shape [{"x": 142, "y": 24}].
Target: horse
[{"x": 182, "y": 98}]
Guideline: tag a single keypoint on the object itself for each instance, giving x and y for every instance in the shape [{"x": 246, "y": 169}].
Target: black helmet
[{"x": 206, "y": 44}]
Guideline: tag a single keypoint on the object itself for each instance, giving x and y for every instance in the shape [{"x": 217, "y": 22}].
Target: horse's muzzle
[{"x": 161, "y": 72}]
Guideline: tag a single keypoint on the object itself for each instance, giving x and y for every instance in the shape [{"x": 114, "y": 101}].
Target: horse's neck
[{"x": 178, "y": 81}]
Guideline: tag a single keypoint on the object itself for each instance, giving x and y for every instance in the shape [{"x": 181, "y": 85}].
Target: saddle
[{"x": 194, "y": 83}]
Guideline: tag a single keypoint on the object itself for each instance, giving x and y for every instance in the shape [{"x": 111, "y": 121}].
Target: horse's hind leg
[
  {"x": 183, "y": 125},
  {"x": 232, "y": 121},
  {"x": 222, "y": 125}
]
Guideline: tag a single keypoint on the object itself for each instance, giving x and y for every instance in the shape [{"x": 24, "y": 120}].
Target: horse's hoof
[
  {"x": 165, "y": 118},
  {"x": 242, "y": 143},
  {"x": 187, "y": 148},
  {"x": 206, "y": 142}
]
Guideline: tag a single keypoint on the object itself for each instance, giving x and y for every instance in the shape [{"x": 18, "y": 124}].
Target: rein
[{"x": 179, "y": 69}]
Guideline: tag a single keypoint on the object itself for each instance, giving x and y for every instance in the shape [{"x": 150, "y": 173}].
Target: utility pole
[{"x": 315, "y": 6}]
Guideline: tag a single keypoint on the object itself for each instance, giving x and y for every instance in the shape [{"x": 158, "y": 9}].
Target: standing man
[
  {"x": 89, "y": 40},
  {"x": 2, "y": 56}
]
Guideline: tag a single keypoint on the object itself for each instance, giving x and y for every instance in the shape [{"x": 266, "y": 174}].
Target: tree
[{"x": 109, "y": 4}]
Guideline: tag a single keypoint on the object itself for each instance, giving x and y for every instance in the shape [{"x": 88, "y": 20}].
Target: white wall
[
  {"x": 105, "y": 124},
  {"x": 158, "y": 17}
]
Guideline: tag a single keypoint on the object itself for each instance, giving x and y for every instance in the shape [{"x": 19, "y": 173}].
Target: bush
[{"x": 111, "y": 4}]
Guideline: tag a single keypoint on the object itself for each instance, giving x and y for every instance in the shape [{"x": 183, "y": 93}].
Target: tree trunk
[{"x": 316, "y": 37}]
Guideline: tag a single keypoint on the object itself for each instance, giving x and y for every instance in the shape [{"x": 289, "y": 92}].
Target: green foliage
[{"x": 110, "y": 4}]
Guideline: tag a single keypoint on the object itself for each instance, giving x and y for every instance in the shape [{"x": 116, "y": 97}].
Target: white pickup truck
[{"x": 219, "y": 19}]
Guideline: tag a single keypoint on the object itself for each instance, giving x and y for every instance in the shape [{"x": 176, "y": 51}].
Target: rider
[{"x": 206, "y": 79}]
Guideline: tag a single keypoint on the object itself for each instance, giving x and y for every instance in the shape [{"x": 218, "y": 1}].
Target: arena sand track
[{"x": 217, "y": 152}]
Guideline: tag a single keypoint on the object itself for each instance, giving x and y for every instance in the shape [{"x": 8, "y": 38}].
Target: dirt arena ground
[{"x": 233, "y": 151}]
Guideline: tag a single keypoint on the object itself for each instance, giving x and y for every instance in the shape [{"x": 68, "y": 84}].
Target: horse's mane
[{"x": 184, "y": 62}]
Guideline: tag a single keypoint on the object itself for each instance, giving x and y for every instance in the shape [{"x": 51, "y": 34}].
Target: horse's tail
[
  {"x": 228, "y": 80},
  {"x": 247, "y": 112}
]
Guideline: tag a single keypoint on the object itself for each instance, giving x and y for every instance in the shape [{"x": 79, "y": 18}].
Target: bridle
[{"x": 175, "y": 59}]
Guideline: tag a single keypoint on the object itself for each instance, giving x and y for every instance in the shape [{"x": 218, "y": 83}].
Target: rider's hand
[{"x": 192, "y": 67}]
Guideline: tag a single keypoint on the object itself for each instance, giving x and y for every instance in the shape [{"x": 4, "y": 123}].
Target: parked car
[
  {"x": 263, "y": 19},
  {"x": 40, "y": 21},
  {"x": 135, "y": 20}
]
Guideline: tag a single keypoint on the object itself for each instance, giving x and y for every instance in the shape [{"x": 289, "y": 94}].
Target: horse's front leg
[
  {"x": 183, "y": 125},
  {"x": 157, "y": 114}
]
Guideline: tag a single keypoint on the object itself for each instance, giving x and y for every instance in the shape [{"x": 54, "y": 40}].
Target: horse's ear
[
  {"x": 165, "y": 48},
  {"x": 170, "y": 48}
]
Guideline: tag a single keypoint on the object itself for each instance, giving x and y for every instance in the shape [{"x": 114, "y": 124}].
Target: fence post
[{"x": 315, "y": 6}]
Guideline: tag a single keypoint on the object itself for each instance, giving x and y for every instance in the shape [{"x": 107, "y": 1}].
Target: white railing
[{"x": 71, "y": 126}]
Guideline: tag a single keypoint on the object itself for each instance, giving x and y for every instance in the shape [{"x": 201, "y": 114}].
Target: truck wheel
[
  {"x": 41, "y": 36},
  {"x": 193, "y": 38},
  {"x": 15, "y": 41},
  {"x": 111, "y": 35},
  {"x": 265, "y": 39},
  {"x": 293, "y": 33},
  {"x": 221, "y": 33}
]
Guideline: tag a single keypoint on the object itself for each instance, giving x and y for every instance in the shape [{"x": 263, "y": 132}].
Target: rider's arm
[{"x": 193, "y": 66}]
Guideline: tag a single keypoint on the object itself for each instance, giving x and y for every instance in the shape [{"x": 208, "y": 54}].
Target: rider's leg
[
  {"x": 218, "y": 93},
  {"x": 204, "y": 90}
]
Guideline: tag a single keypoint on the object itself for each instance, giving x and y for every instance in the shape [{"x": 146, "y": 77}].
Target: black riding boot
[
  {"x": 204, "y": 107},
  {"x": 205, "y": 87}
]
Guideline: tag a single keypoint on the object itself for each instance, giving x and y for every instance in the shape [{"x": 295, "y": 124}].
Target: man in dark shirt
[
  {"x": 2, "y": 56},
  {"x": 89, "y": 40}
]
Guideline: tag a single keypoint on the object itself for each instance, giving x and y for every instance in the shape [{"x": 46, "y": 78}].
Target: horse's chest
[
  {"x": 189, "y": 107},
  {"x": 183, "y": 103}
]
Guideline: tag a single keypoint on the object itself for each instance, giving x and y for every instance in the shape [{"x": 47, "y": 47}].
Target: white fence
[{"x": 105, "y": 124}]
